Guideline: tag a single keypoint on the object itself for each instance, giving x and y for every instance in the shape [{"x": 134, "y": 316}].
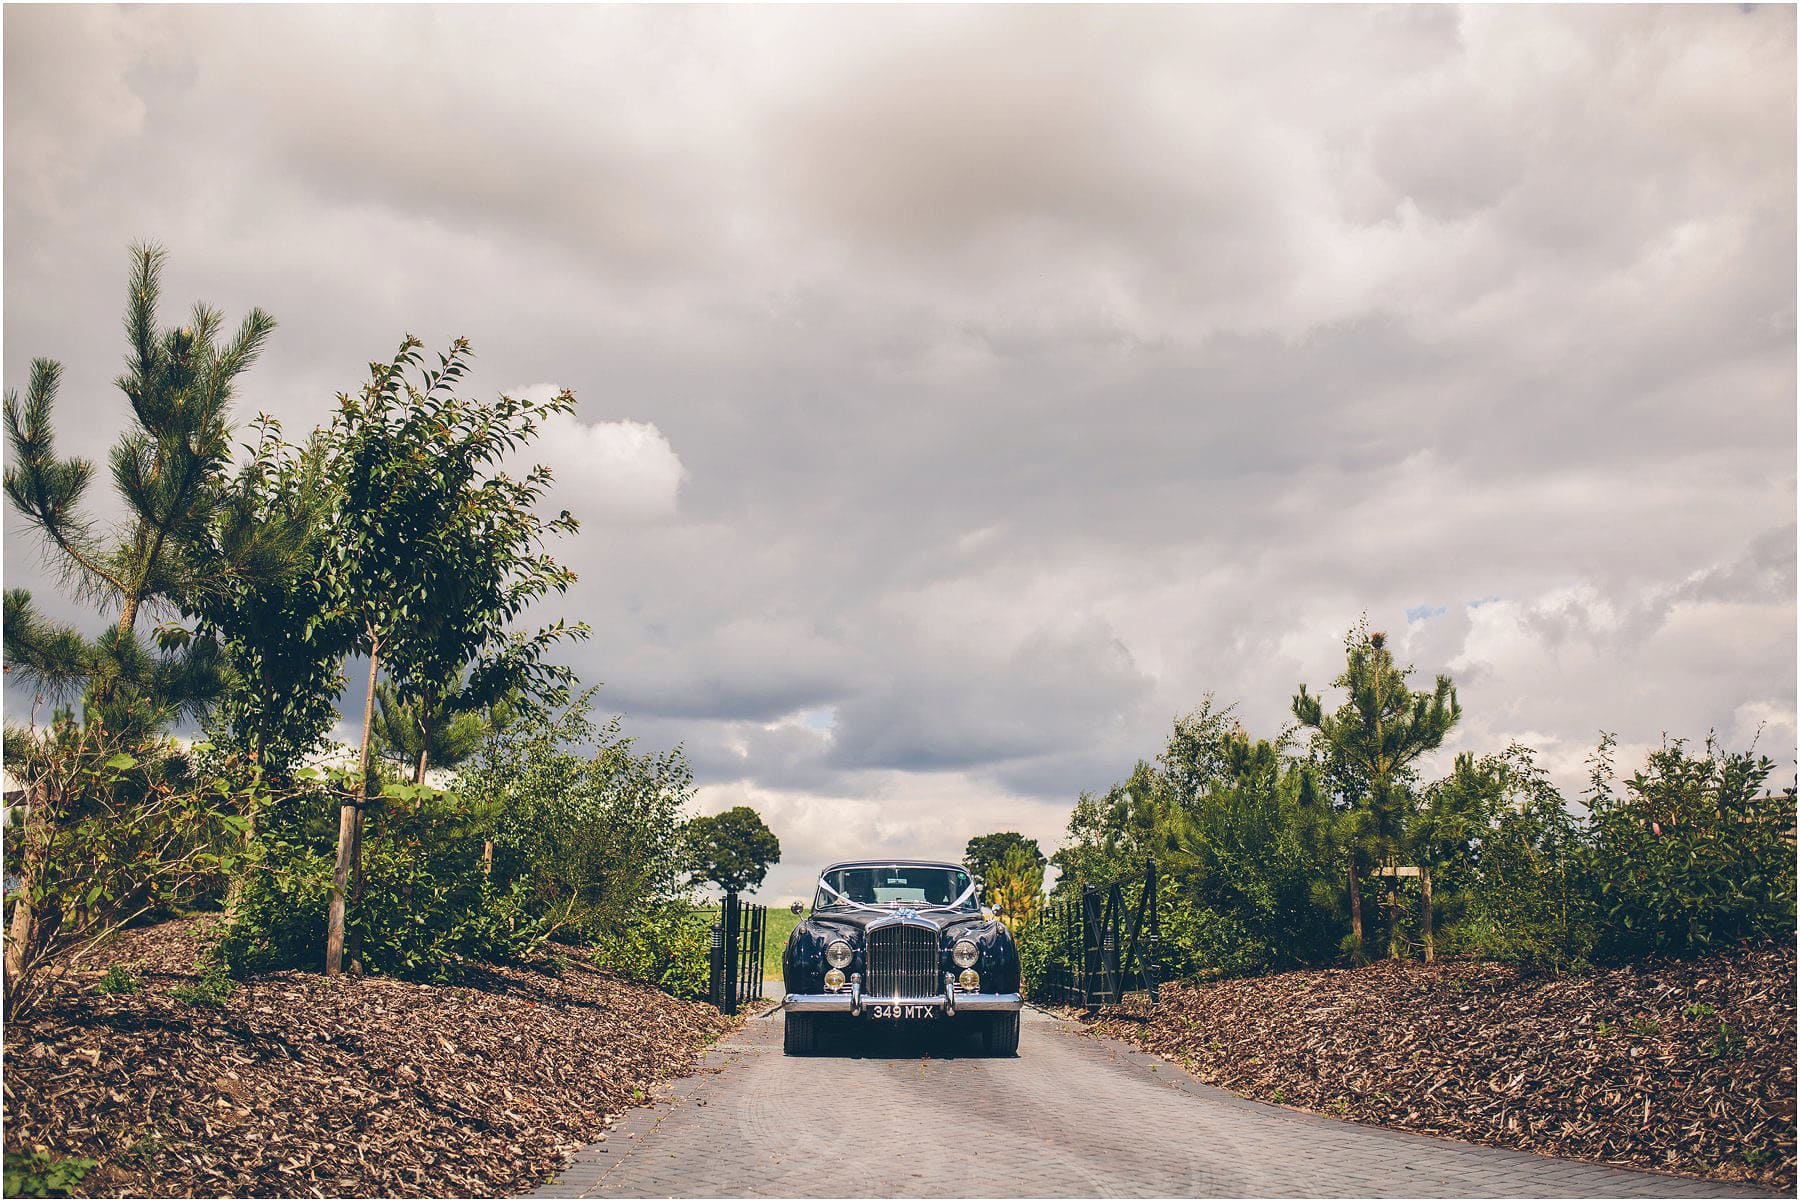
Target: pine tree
[
  {"x": 1014, "y": 884},
  {"x": 180, "y": 383},
  {"x": 410, "y": 733},
  {"x": 166, "y": 470},
  {"x": 1369, "y": 745}
]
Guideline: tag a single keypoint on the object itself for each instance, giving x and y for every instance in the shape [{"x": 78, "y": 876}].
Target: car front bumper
[{"x": 854, "y": 1002}]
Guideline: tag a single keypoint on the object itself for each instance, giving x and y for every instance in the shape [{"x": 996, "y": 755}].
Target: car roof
[{"x": 892, "y": 862}]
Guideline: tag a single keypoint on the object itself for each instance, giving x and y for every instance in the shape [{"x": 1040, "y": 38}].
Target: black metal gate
[
  {"x": 737, "y": 954},
  {"x": 1099, "y": 946}
]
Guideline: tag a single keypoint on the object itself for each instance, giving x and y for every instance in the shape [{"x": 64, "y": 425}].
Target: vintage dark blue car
[{"x": 901, "y": 942}]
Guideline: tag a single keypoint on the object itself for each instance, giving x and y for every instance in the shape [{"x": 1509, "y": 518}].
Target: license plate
[{"x": 903, "y": 1011}]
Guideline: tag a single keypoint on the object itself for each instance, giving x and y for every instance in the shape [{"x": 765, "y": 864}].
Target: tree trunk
[
  {"x": 1425, "y": 911},
  {"x": 353, "y": 944},
  {"x": 340, "y": 884},
  {"x": 234, "y": 888},
  {"x": 1356, "y": 927},
  {"x": 487, "y": 857},
  {"x": 427, "y": 723},
  {"x": 24, "y": 917},
  {"x": 1393, "y": 908},
  {"x": 350, "y": 832},
  {"x": 128, "y": 614}
]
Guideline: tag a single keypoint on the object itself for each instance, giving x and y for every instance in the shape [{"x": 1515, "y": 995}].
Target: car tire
[
  {"x": 801, "y": 1035},
  {"x": 1001, "y": 1036}
]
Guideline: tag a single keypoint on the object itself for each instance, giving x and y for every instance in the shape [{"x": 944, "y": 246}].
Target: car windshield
[{"x": 896, "y": 885}]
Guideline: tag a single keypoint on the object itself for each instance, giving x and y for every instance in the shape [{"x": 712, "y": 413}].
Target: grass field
[{"x": 781, "y": 924}]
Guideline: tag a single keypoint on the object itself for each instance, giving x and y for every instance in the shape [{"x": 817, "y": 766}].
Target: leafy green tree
[
  {"x": 281, "y": 635},
  {"x": 985, "y": 852},
  {"x": 1201, "y": 751},
  {"x": 1110, "y": 835},
  {"x": 1369, "y": 744},
  {"x": 732, "y": 850},
  {"x": 435, "y": 552}
]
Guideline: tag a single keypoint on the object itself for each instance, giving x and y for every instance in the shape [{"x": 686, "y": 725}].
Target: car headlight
[
  {"x": 838, "y": 954},
  {"x": 834, "y": 980},
  {"x": 970, "y": 980},
  {"x": 965, "y": 954}
]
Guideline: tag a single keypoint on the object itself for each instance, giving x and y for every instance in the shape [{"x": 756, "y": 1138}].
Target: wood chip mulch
[
  {"x": 302, "y": 1086},
  {"x": 1680, "y": 1067}
]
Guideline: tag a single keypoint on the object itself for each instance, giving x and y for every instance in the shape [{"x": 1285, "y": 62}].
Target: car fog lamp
[
  {"x": 969, "y": 980},
  {"x": 838, "y": 954},
  {"x": 834, "y": 980},
  {"x": 965, "y": 954}
]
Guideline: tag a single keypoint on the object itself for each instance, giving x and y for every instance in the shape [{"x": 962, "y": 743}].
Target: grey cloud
[
  {"x": 1764, "y": 573},
  {"x": 1032, "y": 372},
  {"x": 952, "y": 705}
]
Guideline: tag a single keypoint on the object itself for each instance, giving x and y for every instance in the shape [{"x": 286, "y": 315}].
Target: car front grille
[{"x": 903, "y": 962}]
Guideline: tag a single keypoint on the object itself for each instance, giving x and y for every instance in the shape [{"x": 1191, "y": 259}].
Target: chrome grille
[{"x": 903, "y": 962}]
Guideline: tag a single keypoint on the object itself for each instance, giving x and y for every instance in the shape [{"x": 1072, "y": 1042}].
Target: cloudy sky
[{"x": 965, "y": 393}]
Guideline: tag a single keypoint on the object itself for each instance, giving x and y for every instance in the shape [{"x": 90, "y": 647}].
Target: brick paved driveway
[{"x": 1073, "y": 1115}]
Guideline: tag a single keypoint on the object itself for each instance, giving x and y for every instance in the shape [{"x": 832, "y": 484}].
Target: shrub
[
  {"x": 1040, "y": 949},
  {"x": 592, "y": 837},
  {"x": 427, "y": 907},
  {"x": 536, "y": 839},
  {"x": 1693, "y": 856},
  {"x": 1246, "y": 849},
  {"x": 1204, "y": 943},
  {"x": 667, "y": 945},
  {"x": 1532, "y": 900},
  {"x": 112, "y": 830},
  {"x": 277, "y": 919}
]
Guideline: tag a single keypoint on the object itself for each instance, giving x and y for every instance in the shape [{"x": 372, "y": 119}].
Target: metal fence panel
[
  {"x": 1100, "y": 945},
  {"x": 738, "y": 940}
]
